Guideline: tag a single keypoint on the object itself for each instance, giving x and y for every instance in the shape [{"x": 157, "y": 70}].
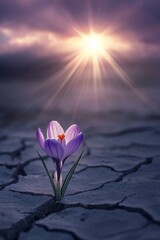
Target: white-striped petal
[
  {"x": 54, "y": 129},
  {"x": 71, "y": 132}
]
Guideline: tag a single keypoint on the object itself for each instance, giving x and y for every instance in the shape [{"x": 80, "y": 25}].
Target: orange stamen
[{"x": 61, "y": 137}]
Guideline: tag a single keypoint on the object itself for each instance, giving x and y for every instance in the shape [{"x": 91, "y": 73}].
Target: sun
[{"x": 91, "y": 45}]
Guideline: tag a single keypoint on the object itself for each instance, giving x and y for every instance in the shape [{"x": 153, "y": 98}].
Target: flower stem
[{"x": 58, "y": 192}]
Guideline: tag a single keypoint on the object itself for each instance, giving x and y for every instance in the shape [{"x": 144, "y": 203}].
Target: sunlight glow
[
  {"x": 88, "y": 51},
  {"x": 88, "y": 62},
  {"x": 92, "y": 44}
]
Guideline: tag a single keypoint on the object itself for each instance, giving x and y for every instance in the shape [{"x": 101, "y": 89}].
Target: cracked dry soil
[{"x": 114, "y": 194}]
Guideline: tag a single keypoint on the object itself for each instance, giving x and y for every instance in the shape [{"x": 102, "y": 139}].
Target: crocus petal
[
  {"x": 71, "y": 132},
  {"x": 73, "y": 145},
  {"x": 40, "y": 138},
  {"x": 54, "y": 149},
  {"x": 54, "y": 129}
]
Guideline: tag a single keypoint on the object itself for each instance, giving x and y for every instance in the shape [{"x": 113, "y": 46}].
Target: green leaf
[
  {"x": 49, "y": 175},
  {"x": 69, "y": 175}
]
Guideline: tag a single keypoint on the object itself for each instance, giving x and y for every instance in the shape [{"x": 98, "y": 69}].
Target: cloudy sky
[{"x": 38, "y": 31}]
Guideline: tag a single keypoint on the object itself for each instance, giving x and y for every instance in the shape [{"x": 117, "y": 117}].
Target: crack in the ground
[
  {"x": 26, "y": 223},
  {"x": 117, "y": 206},
  {"x": 19, "y": 171},
  {"x": 2, "y": 186},
  {"x": 125, "y": 198},
  {"x": 61, "y": 230},
  {"x": 75, "y": 237},
  {"x": 128, "y": 231},
  {"x": 50, "y": 207},
  {"x": 31, "y": 193},
  {"x": 122, "y": 132},
  {"x": 148, "y": 160},
  {"x": 96, "y": 166},
  {"x": 125, "y": 173},
  {"x": 133, "y": 144},
  {"x": 15, "y": 153}
]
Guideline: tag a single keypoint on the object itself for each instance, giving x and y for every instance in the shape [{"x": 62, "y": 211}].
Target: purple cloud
[{"x": 37, "y": 27}]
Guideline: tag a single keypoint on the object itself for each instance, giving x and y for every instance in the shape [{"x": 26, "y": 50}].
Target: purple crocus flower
[{"x": 59, "y": 145}]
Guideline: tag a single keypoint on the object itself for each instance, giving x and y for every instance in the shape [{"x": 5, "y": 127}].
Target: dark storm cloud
[
  {"x": 138, "y": 16},
  {"x": 37, "y": 14},
  {"x": 145, "y": 21},
  {"x": 25, "y": 64}
]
